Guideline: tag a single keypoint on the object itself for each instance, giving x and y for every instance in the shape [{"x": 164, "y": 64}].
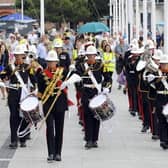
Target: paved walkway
[{"x": 121, "y": 144}]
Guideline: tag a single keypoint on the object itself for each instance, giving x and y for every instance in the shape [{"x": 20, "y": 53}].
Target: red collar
[{"x": 48, "y": 73}]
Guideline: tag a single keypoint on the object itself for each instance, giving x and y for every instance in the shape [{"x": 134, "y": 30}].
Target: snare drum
[
  {"x": 30, "y": 109},
  {"x": 102, "y": 107}
]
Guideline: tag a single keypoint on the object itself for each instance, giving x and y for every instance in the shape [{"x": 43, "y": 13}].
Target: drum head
[
  {"x": 29, "y": 103},
  {"x": 140, "y": 65},
  {"x": 97, "y": 101}
]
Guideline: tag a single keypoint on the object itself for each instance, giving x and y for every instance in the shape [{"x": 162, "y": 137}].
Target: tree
[
  {"x": 71, "y": 11},
  {"x": 57, "y": 10}
]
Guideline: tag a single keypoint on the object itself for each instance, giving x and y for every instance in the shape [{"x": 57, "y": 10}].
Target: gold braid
[
  {"x": 50, "y": 87},
  {"x": 96, "y": 67}
]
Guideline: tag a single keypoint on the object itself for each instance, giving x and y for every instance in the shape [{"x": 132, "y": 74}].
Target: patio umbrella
[
  {"x": 93, "y": 27},
  {"x": 16, "y": 17}
]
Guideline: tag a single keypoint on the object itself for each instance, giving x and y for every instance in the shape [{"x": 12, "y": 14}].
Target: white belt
[
  {"x": 17, "y": 85},
  {"x": 89, "y": 86},
  {"x": 164, "y": 92}
]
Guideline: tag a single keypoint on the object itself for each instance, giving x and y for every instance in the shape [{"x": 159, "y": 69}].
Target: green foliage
[{"x": 66, "y": 10}]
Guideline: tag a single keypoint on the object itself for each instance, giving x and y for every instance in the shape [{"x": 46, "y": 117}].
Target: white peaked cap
[
  {"x": 52, "y": 56},
  {"x": 164, "y": 59},
  {"x": 19, "y": 49},
  {"x": 157, "y": 54},
  {"x": 137, "y": 50},
  {"x": 151, "y": 44},
  {"x": 91, "y": 50}
]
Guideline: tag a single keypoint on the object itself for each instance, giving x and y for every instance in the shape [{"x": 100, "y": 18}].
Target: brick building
[{"x": 7, "y": 7}]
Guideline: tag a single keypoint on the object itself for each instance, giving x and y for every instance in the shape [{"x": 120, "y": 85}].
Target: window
[{"x": 159, "y": 1}]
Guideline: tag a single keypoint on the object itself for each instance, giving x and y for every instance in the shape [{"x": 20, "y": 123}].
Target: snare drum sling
[
  {"x": 14, "y": 95},
  {"x": 92, "y": 125}
]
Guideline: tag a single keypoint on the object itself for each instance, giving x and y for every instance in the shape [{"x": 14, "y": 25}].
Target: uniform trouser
[
  {"x": 92, "y": 125},
  {"x": 163, "y": 125},
  {"x": 80, "y": 107},
  {"x": 133, "y": 97},
  {"x": 155, "y": 124},
  {"x": 54, "y": 132},
  {"x": 146, "y": 109},
  {"x": 154, "y": 120},
  {"x": 15, "y": 120},
  {"x": 140, "y": 105}
]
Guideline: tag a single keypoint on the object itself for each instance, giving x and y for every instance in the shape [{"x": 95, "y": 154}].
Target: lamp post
[
  {"x": 119, "y": 15},
  {"x": 145, "y": 20},
  {"x": 114, "y": 16},
  {"x": 122, "y": 17},
  {"x": 130, "y": 20},
  {"x": 137, "y": 19},
  {"x": 116, "y": 8},
  {"x": 110, "y": 19},
  {"x": 22, "y": 9},
  {"x": 153, "y": 20},
  {"x": 126, "y": 18},
  {"x": 42, "y": 27},
  {"x": 166, "y": 27}
]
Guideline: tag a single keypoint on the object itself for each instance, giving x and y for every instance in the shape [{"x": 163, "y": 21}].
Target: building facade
[{"x": 7, "y": 7}]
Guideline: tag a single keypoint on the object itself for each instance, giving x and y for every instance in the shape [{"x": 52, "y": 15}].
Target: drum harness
[
  {"x": 26, "y": 91},
  {"x": 97, "y": 86},
  {"x": 94, "y": 81}
]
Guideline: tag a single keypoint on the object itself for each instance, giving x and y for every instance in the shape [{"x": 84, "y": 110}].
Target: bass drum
[{"x": 102, "y": 107}]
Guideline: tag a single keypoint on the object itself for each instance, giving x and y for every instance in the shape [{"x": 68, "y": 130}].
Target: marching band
[{"x": 45, "y": 78}]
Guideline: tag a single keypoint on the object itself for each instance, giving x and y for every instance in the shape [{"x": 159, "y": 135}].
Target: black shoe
[
  {"x": 164, "y": 145},
  {"x": 28, "y": 137},
  {"x": 124, "y": 91},
  {"x": 22, "y": 144},
  {"x": 88, "y": 145},
  {"x": 139, "y": 117},
  {"x": 50, "y": 158},
  {"x": 80, "y": 122},
  {"x": 94, "y": 144},
  {"x": 57, "y": 157},
  {"x": 155, "y": 137},
  {"x": 133, "y": 113},
  {"x": 145, "y": 128},
  {"x": 13, "y": 145}
]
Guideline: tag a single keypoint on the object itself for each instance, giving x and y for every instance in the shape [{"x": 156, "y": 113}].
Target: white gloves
[
  {"x": 64, "y": 85},
  {"x": 35, "y": 92},
  {"x": 150, "y": 77},
  {"x": 72, "y": 79},
  {"x": 2, "y": 84},
  {"x": 106, "y": 90},
  {"x": 72, "y": 67},
  {"x": 41, "y": 107}
]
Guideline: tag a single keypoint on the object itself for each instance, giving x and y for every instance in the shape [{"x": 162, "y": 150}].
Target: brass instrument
[
  {"x": 164, "y": 67},
  {"x": 50, "y": 87},
  {"x": 58, "y": 93}
]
